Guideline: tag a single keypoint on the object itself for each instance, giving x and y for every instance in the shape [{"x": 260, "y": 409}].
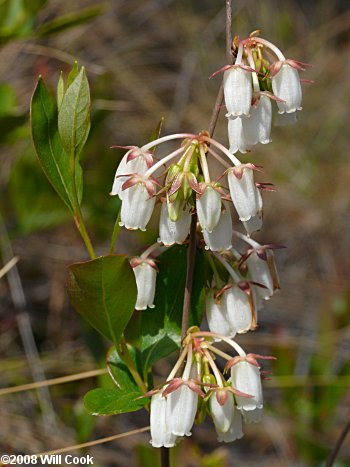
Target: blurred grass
[{"x": 151, "y": 59}]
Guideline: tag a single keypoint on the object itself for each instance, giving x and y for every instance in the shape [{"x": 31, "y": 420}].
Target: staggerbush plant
[{"x": 196, "y": 263}]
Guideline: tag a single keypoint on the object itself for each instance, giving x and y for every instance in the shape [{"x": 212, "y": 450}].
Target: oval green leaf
[
  {"x": 102, "y": 401},
  {"x": 103, "y": 291}
]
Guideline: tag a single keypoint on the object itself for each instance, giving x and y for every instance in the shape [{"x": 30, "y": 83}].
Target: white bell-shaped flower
[
  {"x": 216, "y": 312},
  {"x": 161, "y": 435},
  {"x": 146, "y": 276},
  {"x": 138, "y": 164},
  {"x": 209, "y": 208},
  {"x": 171, "y": 232},
  {"x": 235, "y": 430},
  {"x": 286, "y": 85},
  {"x": 237, "y": 91},
  {"x": 246, "y": 378},
  {"x": 263, "y": 272},
  {"x": 240, "y": 310},
  {"x": 221, "y": 414},
  {"x": 236, "y": 135},
  {"x": 181, "y": 410},
  {"x": 257, "y": 128},
  {"x": 137, "y": 207},
  {"x": 252, "y": 416},
  {"x": 221, "y": 237},
  {"x": 245, "y": 195}
]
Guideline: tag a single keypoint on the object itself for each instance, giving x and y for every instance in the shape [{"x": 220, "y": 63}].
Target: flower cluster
[
  {"x": 261, "y": 73},
  {"x": 202, "y": 388},
  {"x": 182, "y": 183}
]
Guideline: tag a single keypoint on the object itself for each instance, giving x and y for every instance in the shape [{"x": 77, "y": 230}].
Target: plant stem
[
  {"x": 126, "y": 357},
  {"x": 78, "y": 217},
  {"x": 335, "y": 451},
  {"x": 191, "y": 258},
  {"x": 164, "y": 457},
  {"x": 230, "y": 61},
  {"x": 114, "y": 234}
]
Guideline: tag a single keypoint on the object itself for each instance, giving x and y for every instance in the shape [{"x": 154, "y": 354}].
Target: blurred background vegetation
[{"x": 147, "y": 60}]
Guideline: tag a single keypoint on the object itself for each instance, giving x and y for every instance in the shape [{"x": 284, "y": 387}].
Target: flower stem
[
  {"x": 126, "y": 357},
  {"x": 204, "y": 165},
  {"x": 164, "y": 457},
  {"x": 78, "y": 217},
  {"x": 163, "y": 161},
  {"x": 114, "y": 234},
  {"x": 191, "y": 258},
  {"x": 155, "y": 142}
]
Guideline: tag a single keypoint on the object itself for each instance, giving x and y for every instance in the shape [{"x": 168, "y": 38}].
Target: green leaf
[
  {"x": 161, "y": 326},
  {"x": 156, "y": 133},
  {"x": 69, "y": 20},
  {"x": 53, "y": 159},
  {"x": 119, "y": 371},
  {"x": 72, "y": 74},
  {"x": 103, "y": 401},
  {"x": 74, "y": 115},
  {"x": 103, "y": 291}
]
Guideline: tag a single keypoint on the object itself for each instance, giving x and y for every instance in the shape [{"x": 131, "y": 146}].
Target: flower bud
[
  {"x": 246, "y": 378},
  {"x": 286, "y": 86},
  {"x": 173, "y": 232},
  {"x": 160, "y": 433},
  {"x": 237, "y": 91},
  {"x": 209, "y": 208},
  {"x": 146, "y": 276},
  {"x": 137, "y": 207}
]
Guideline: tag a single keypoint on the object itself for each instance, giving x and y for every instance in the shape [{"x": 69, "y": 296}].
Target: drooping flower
[
  {"x": 257, "y": 128},
  {"x": 286, "y": 85},
  {"x": 221, "y": 237},
  {"x": 137, "y": 203},
  {"x": 222, "y": 413},
  {"x": 216, "y": 312},
  {"x": 245, "y": 376},
  {"x": 145, "y": 271},
  {"x": 161, "y": 435},
  {"x": 134, "y": 161},
  {"x": 182, "y": 394},
  {"x": 171, "y": 232},
  {"x": 263, "y": 271},
  {"x": 240, "y": 309},
  {"x": 245, "y": 195},
  {"x": 236, "y": 135},
  {"x": 235, "y": 431},
  {"x": 208, "y": 207},
  {"x": 237, "y": 91}
]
